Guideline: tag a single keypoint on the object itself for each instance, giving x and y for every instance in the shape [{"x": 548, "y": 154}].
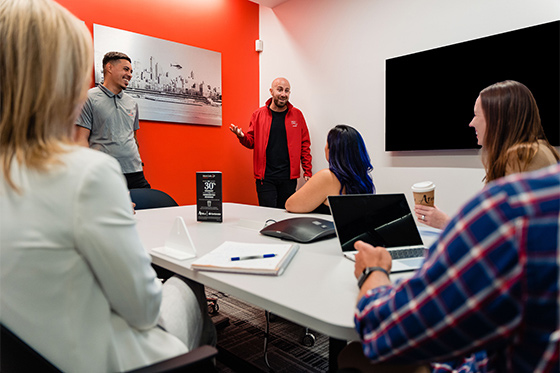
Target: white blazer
[{"x": 75, "y": 282}]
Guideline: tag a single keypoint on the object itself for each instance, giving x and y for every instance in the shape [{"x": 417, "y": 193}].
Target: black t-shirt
[{"x": 277, "y": 156}]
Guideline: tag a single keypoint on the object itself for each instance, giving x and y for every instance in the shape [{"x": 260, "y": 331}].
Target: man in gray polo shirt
[{"x": 109, "y": 119}]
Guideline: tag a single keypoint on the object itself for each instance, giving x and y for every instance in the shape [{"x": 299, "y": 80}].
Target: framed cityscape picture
[{"x": 171, "y": 82}]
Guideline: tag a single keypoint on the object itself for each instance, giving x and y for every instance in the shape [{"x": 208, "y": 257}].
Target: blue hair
[{"x": 349, "y": 160}]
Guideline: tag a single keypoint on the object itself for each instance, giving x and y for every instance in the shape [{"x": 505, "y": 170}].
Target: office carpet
[{"x": 241, "y": 341}]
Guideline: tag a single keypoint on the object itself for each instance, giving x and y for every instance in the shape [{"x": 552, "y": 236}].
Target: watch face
[{"x": 363, "y": 277}]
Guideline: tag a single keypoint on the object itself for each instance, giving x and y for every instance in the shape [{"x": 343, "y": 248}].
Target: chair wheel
[
  {"x": 213, "y": 306},
  {"x": 308, "y": 340}
]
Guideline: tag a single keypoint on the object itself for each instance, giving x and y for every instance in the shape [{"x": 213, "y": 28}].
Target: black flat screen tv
[{"x": 430, "y": 95}]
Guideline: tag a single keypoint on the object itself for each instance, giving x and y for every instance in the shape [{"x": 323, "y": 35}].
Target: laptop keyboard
[{"x": 416, "y": 252}]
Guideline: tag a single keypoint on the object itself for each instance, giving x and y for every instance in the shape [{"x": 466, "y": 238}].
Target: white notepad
[{"x": 220, "y": 259}]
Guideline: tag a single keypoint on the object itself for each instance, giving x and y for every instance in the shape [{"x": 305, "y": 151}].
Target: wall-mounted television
[{"x": 430, "y": 95}]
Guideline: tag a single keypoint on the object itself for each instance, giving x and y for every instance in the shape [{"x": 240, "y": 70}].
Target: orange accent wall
[{"x": 172, "y": 152}]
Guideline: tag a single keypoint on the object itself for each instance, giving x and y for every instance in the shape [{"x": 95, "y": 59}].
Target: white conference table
[{"x": 317, "y": 290}]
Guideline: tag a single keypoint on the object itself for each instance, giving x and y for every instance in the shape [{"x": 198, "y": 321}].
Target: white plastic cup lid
[{"x": 423, "y": 186}]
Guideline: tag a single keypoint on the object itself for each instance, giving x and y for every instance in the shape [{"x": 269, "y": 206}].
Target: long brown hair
[
  {"x": 45, "y": 70},
  {"x": 512, "y": 118}
]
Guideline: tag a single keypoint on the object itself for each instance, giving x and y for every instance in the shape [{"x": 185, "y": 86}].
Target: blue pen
[{"x": 236, "y": 258}]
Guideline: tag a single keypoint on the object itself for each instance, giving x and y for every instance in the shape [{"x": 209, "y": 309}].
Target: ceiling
[{"x": 269, "y": 3}]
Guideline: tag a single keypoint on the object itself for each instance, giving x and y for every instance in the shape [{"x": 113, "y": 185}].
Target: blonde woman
[{"x": 76, "y": 283}]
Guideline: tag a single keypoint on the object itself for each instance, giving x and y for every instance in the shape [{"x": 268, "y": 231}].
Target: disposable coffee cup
[{"x": 424, "y": 193}]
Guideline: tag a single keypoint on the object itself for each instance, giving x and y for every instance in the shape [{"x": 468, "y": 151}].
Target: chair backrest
[
  {"x": 17, "y": 356},
  {"x": 151, "y": 199}
]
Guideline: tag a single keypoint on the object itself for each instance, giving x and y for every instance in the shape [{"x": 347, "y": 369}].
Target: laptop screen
[{"x": 378, "y": 219}]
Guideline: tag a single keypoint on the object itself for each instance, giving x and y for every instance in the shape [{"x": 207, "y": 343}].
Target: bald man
[{"x": 280, "y": 141}]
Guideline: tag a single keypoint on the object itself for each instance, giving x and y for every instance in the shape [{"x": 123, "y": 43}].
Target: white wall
[{"x": 333, "y": 53}]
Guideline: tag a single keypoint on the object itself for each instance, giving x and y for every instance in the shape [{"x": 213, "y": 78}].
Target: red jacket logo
[{"x": 294, "y": 123}]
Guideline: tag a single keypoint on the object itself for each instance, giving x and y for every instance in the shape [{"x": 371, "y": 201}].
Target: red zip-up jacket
[{"x": 297, "y": 135}]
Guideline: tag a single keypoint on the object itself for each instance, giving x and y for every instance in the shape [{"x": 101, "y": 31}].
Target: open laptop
[{"x": 380, "y": 220}]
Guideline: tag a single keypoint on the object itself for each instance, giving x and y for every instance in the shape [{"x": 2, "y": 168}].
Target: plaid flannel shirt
[{"x": 487, "y": 297}]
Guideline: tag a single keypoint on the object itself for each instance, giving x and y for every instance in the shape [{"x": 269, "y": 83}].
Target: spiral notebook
[{"x": 248, "y": 258}]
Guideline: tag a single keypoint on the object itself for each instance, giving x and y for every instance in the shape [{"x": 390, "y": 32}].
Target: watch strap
[{"x": 368, "y": 271}]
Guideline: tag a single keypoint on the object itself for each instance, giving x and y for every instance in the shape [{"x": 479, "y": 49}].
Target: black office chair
[
  {"x": 151, "y": 199},
  {"x": 18, "y": 356}
]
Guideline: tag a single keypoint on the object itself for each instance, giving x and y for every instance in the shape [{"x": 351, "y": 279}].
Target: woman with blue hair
[{"x": 348, "y": 173}]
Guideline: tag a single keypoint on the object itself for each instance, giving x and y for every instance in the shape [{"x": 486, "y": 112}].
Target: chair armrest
[
  {"x": 198, "y": 360},
  {"x": 18, "y": 356}
]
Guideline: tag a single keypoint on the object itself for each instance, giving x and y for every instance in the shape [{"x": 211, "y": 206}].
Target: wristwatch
[{"x": 368, "y": 271}]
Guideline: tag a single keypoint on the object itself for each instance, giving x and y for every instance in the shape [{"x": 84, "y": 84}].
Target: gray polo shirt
[{"x": 112, "y": 120}]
